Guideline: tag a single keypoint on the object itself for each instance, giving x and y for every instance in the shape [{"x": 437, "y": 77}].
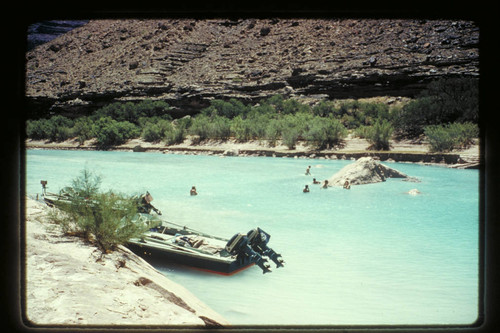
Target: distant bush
[
  {"x": 37, "y": 129},
  {"x": 444, "y": 101},
  {"x": 291, "y": 106},
  {"x": 273, "y": 132},
  {"x": 156, "y": 131},
  {"x": 132, "y": 112},
  {"x": 106, "y": 219},
  {"x": 293, "y": 126},
  {"x": 83, "y": 129},
  {"x": 324, "y": 109},
  {"x": 57, "y": 128},
  {"x": 200, "y": 127},
  {"x": 219, "y": 128},
  {"x": 289, "y": 136},
  {"x": 325, "y": 132},
  {"x": 275, "y": 101},
  {"x": 444, "y": 138},
  {"x": 229, "y": 109},
  {"x": 110, "y": 132},
  {"x": 241, "y": 128},
  {"x": 379, "y": 134},
  {"x": 179, "y": 131},
  {"x": 177, "y": 135}
]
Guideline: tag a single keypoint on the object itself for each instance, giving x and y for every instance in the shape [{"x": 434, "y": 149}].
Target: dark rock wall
[{"x": 188, "y": 62}]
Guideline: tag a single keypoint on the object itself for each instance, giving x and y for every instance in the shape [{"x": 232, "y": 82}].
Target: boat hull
[{"x": 217, "y": 265}]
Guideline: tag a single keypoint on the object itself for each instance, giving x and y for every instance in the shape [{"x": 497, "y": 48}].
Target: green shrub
[
  {"x": 63, "y": 133},
  {"x": 110, "y": 132},
  {"x": 83, "y": 129},
  {"x": 106, "y": 219},
  {"x": 177, "y": 135},
  {"x": 219, "y": 128},
  {"x": 261, "y": 110},
  {"x": 273, "y": 131},
  {"x": 154, "y": 132},
  {"x": 241, "y": 128},
  {"x": 229, "y": 109},
  {"x": 324, "y": 109},
  {"x": 35, "y": 129},
  {"x": 379, "y": 134},
  {"x": 464, "y": 133},
  {"x": 443, "y": 101},
  {"x": 57, "y": 128},
  {"x": 373, "y": 111},
  {"x": 200, "y": 127},
  {"x": 290, "y": 136},
  {"x": 291, "y": 106},
  {"x": 276, "y": 101},
  {"x": 292, "y": 127},
  {"x": 325, "y": 132},
  {"x": 455, "y": 99},
  {"x": 132, "y": 112},
  {"x": 414, "y": 116},
  {"x": 362, "y": 131},
  {"x": 440, "y": 139},
  {"x": 39, "y": 129},
  {"x": 445, "y": 138},
  {"x": 258, "y": 124}
]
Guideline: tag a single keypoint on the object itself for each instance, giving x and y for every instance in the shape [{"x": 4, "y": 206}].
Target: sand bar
[{"x": 69, "y": 282}]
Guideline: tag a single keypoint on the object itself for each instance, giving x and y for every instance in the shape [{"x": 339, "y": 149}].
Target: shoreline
[
  {"x": 353, "y": 148},
  {"x": 69, "y": 282}
]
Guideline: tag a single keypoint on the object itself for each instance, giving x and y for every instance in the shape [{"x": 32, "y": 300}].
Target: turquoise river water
[{"x": 372, "y": 255}]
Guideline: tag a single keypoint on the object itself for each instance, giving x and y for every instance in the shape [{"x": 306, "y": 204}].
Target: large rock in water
[{"x": 364, "y": 171}]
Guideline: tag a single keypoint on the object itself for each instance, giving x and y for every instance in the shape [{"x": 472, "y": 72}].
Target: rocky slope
[
  {"x": 45, "y": 31},
  {"x": 187, "y": 62}
]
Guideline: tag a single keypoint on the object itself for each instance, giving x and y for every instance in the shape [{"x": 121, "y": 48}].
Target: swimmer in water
[
  {"x": 193, "y": 191},
  {"x": 306, "y": 189},
  {"x": 315, "y": 181},
  {"x": 308, "y": 170},
  {"x": 325, "y": 184},
  {"x": 347, "y": 186}
]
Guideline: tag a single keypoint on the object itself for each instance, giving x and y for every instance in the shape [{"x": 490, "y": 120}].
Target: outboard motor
[
  {"x": 258, "y": 239},
  {"x": 238, "y": 244}
]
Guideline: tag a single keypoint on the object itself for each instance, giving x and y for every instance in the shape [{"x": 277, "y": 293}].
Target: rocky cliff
[
  {"x": 45, "y": 31},
  {"x": 188, "y": 62}
]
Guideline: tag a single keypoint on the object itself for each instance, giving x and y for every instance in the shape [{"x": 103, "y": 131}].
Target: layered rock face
[
  {"x": 45, "y": 31},
  {"x": 364, "y": 171},
  {"x": 188, "y": 62}
]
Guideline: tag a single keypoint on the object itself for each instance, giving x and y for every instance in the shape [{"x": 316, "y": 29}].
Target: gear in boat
[{"x": 199, "y": 250}]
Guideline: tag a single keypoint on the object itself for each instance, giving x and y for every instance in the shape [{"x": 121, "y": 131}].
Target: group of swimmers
[{"x": 346, "y": 186}]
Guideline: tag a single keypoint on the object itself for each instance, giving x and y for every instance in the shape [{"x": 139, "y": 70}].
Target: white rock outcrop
[{"x": 365, "y": 170}]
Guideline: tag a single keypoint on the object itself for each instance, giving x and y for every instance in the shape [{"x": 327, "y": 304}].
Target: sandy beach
[
  {"x": 352, "y": 148},
  {"x": 69, "y": 282}
]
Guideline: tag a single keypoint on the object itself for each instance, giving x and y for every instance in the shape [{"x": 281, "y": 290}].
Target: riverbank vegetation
[
  {"x": 106, "y": 219},
  {"x": 446, "y": 114}
]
